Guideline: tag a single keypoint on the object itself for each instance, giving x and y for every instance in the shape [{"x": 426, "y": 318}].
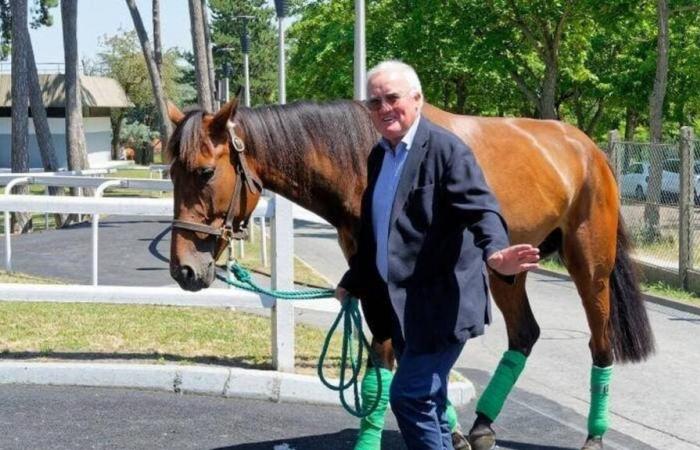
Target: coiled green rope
[{"x": 350, "y": 359}]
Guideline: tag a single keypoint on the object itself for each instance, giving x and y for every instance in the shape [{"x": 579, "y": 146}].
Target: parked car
[{"x": 635, "y": 180}]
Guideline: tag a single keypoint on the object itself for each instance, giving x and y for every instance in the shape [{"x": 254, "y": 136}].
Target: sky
[{"x": 97, "y": 18}]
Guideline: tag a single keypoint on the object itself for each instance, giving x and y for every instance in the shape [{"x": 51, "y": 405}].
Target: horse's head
[{"x": 216, "y": 190}]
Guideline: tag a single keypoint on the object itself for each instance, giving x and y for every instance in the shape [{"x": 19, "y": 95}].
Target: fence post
[
  {"x": 615, "y": 151},
  {"x": 686, "y": 203},
  {"x": 282, "y": 278}
]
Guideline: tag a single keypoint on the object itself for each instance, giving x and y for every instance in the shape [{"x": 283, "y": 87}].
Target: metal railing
[{"x": 278, "y": 210}]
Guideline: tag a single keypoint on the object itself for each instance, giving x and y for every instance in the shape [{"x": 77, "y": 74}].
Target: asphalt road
[{"x": 654, "y": 405}]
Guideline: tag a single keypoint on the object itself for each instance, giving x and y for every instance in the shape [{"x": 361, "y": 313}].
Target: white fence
[{"x": 279, "y": 210}]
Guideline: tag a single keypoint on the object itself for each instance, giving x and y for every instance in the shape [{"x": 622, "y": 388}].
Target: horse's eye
[{"x": 205, "y": 173}]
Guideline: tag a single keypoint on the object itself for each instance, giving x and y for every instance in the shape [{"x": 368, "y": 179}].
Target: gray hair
[{"x": 399, "y": 67}]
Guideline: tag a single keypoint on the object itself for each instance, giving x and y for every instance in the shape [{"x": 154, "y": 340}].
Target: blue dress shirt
[{"x": 385, "y": 191}]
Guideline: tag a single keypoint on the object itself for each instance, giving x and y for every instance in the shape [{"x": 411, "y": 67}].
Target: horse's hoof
[
  {"x": 593, "y": 443},
  {"x": 459, "y": 441},
  {"x": 482, "y": 437}
]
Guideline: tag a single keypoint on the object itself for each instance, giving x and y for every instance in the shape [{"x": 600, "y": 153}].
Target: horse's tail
[{"x": 630, "y": 332}]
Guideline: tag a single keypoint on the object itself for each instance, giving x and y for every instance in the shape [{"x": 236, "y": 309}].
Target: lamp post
[
  {"x": 245, "y": 46},
  {"x": 359, "y": 63}
]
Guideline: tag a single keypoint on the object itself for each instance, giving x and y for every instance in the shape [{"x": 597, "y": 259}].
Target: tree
[
  {"x": 154, "y": 74},
  {"x": 120, "y": 57},
  {"x": 656, "y": 107},
  {"x": 20, "y": 103},
  {"x": 199, "y": 47},
  {"x": 75, "y": 134},
  {"x": 157, "y": 45},
  {"x": 226, "y": 35}
]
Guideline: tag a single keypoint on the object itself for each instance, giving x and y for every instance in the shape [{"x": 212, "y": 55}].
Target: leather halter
[{"x": 234, "y": 227}]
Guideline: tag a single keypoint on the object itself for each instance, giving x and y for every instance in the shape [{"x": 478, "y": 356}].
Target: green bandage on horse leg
[
  {"x": 371, "y": 427},
  {"x": 451, "y": 414},
  {"x": 507, "y": 373},
  {"x": 598, "y": 415}
]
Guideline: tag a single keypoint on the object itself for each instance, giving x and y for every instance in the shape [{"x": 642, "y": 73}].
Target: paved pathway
[{"x": 654, "y": 405}]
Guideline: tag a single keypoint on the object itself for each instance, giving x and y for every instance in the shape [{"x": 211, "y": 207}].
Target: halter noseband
[{"x": 232, "y": 228}]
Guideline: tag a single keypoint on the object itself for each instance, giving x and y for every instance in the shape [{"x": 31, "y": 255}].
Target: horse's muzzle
[{"x": 190, "y": 280}]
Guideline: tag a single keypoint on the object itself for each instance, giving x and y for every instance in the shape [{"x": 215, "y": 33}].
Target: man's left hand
[{"x": 514, "y": 259}]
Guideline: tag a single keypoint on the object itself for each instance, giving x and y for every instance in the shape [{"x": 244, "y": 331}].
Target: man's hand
[
  {"x": 514, "y": 259},
  {"x": 341, "y": 294}
]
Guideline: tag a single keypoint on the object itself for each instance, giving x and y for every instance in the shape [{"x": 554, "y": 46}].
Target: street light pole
[
  {"x": 360, "y": 68},
  {"x": 245, "y": 46}
]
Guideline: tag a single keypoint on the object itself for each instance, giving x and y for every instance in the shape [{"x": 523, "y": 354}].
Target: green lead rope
[{"x": 350, "y": 358}]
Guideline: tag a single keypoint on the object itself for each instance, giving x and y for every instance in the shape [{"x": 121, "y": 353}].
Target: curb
[
  {"x": 680, "y": 306},
  {"x": 216, "y": 381}
]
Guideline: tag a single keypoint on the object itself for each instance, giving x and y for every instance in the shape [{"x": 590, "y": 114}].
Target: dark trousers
[{"x": 419, "y": 396}]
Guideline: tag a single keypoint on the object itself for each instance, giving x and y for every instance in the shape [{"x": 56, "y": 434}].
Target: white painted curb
[{"x": 222, "y": 381}]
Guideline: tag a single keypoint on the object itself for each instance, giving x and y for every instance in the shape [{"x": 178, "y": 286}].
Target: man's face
[{"x": 393, "y": 107}]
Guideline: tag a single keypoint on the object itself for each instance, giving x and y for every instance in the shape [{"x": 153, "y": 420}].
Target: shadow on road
[{"x": 343, "y": 440}]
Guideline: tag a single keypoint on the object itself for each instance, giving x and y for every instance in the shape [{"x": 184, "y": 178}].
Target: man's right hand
[{"x": 341, "y": 294}]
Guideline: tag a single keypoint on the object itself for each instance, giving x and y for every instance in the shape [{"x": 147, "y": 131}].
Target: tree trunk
[
  {"x": 547, "y": 99},
  {"x": 157, "y": 45},
  {"x": 631, "y": 121},
  {"x": 210, "y": 54},
  {"x": 200, "y": 55},
  {"x": 164, "y": 125},
  {"x": 20, "y": 101},
  {"x": 461, "y": 91},
  {"x": 41, "y": 126},
  {"x": 115, "y": 120},
  {"x": 656, "y": 106},
  {"x": 75, "y": 133}
]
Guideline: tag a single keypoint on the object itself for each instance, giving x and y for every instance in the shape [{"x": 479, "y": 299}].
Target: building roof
[{"x": 97, "y": 92}]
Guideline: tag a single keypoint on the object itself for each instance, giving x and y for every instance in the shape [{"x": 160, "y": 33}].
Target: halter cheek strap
[{"x": 232, "y": 228}]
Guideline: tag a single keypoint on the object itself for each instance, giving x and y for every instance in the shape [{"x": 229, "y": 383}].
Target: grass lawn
[{"x": 150, "y": 334}]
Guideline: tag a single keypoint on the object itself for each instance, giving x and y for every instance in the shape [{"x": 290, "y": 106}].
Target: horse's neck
[{"x": 313, "y": 181}]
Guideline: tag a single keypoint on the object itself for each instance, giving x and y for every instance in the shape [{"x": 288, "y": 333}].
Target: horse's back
[{"x": 536, "y": 168}]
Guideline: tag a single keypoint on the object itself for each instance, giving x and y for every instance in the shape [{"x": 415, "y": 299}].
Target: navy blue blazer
[{"x": 445, "y": 223}]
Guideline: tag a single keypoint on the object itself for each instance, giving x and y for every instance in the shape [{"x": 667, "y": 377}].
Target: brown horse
[{"x": 555, "y": 187}]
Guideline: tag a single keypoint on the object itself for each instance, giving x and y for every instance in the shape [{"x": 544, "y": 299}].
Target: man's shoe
[{"x": 459, "y": 441}]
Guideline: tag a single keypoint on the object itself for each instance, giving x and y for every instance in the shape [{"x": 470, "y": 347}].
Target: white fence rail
[{"x": 278, "y": 210}]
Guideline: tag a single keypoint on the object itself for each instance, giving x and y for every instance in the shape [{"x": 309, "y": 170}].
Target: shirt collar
[{"x": 407, "y": 140}]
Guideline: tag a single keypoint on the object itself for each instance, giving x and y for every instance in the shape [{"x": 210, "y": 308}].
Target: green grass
[
  {"x": 151, "y": 334},
  {"x": 655, "y": 288}
]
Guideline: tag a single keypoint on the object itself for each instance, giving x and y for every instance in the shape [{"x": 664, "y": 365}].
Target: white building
[{"x": 99, "y": 95}]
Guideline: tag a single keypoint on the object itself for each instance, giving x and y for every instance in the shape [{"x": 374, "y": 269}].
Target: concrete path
[{"x": 654, "y": 405}]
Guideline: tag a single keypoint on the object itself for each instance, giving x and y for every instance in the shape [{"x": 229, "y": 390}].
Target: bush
[{"x": 138, "y": 136}]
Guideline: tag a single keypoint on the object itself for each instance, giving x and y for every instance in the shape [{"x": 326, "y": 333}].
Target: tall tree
[
  {"x": 210, "y": 53},
  {"x": 20, "y": 103},
  {"x": 199, "y": 48},
  {"x": 656, "y": 108},
  {"x": 157, "y": 45},
  {"x": 75, "y": 134},
  {"x": 227, "y": 31},
  {"x": 164, "y": 125}
]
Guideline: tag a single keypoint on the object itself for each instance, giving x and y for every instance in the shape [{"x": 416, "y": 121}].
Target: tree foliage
[
  {"x": 589, "y": 62},
  {"x": 226, "y": 36}
]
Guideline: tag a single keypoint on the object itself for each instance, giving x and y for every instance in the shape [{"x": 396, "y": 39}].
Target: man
[{"x": 429, "y": 222}]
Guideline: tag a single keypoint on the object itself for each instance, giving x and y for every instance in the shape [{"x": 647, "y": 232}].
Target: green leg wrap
[
  {"x": 451, "y": 414},
  {"x": 507, "y": 373},
  {"x": 370, "y": 436},
  {"x": 598, "y": 415}
]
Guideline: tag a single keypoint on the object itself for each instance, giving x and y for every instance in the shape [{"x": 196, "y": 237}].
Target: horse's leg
[
  {"x": 589, "y": 254},
  {"x": 523, "y": 332}
]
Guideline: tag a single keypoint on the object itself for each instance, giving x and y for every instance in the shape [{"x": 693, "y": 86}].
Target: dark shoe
[
  {"x": 593, "y": 443},
  {"x": 459, "y": 441},
  {"x": 482, "y": 437}
]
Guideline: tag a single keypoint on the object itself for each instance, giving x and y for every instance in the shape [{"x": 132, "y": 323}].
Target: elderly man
[{"x": 429, "y": 225}]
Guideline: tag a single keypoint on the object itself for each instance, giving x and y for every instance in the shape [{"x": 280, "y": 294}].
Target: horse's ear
[
  {"x": 174, "y": 113},
  {"x": 225, "y": 114}
]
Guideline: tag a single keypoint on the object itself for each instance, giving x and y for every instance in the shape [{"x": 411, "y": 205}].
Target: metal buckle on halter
[{"x": 227, "y": 233}]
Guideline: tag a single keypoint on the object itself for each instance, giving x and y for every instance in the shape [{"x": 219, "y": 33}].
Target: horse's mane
[
  {"x": 283, "y": 135},
  {"x": 187, "y": 139}
]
